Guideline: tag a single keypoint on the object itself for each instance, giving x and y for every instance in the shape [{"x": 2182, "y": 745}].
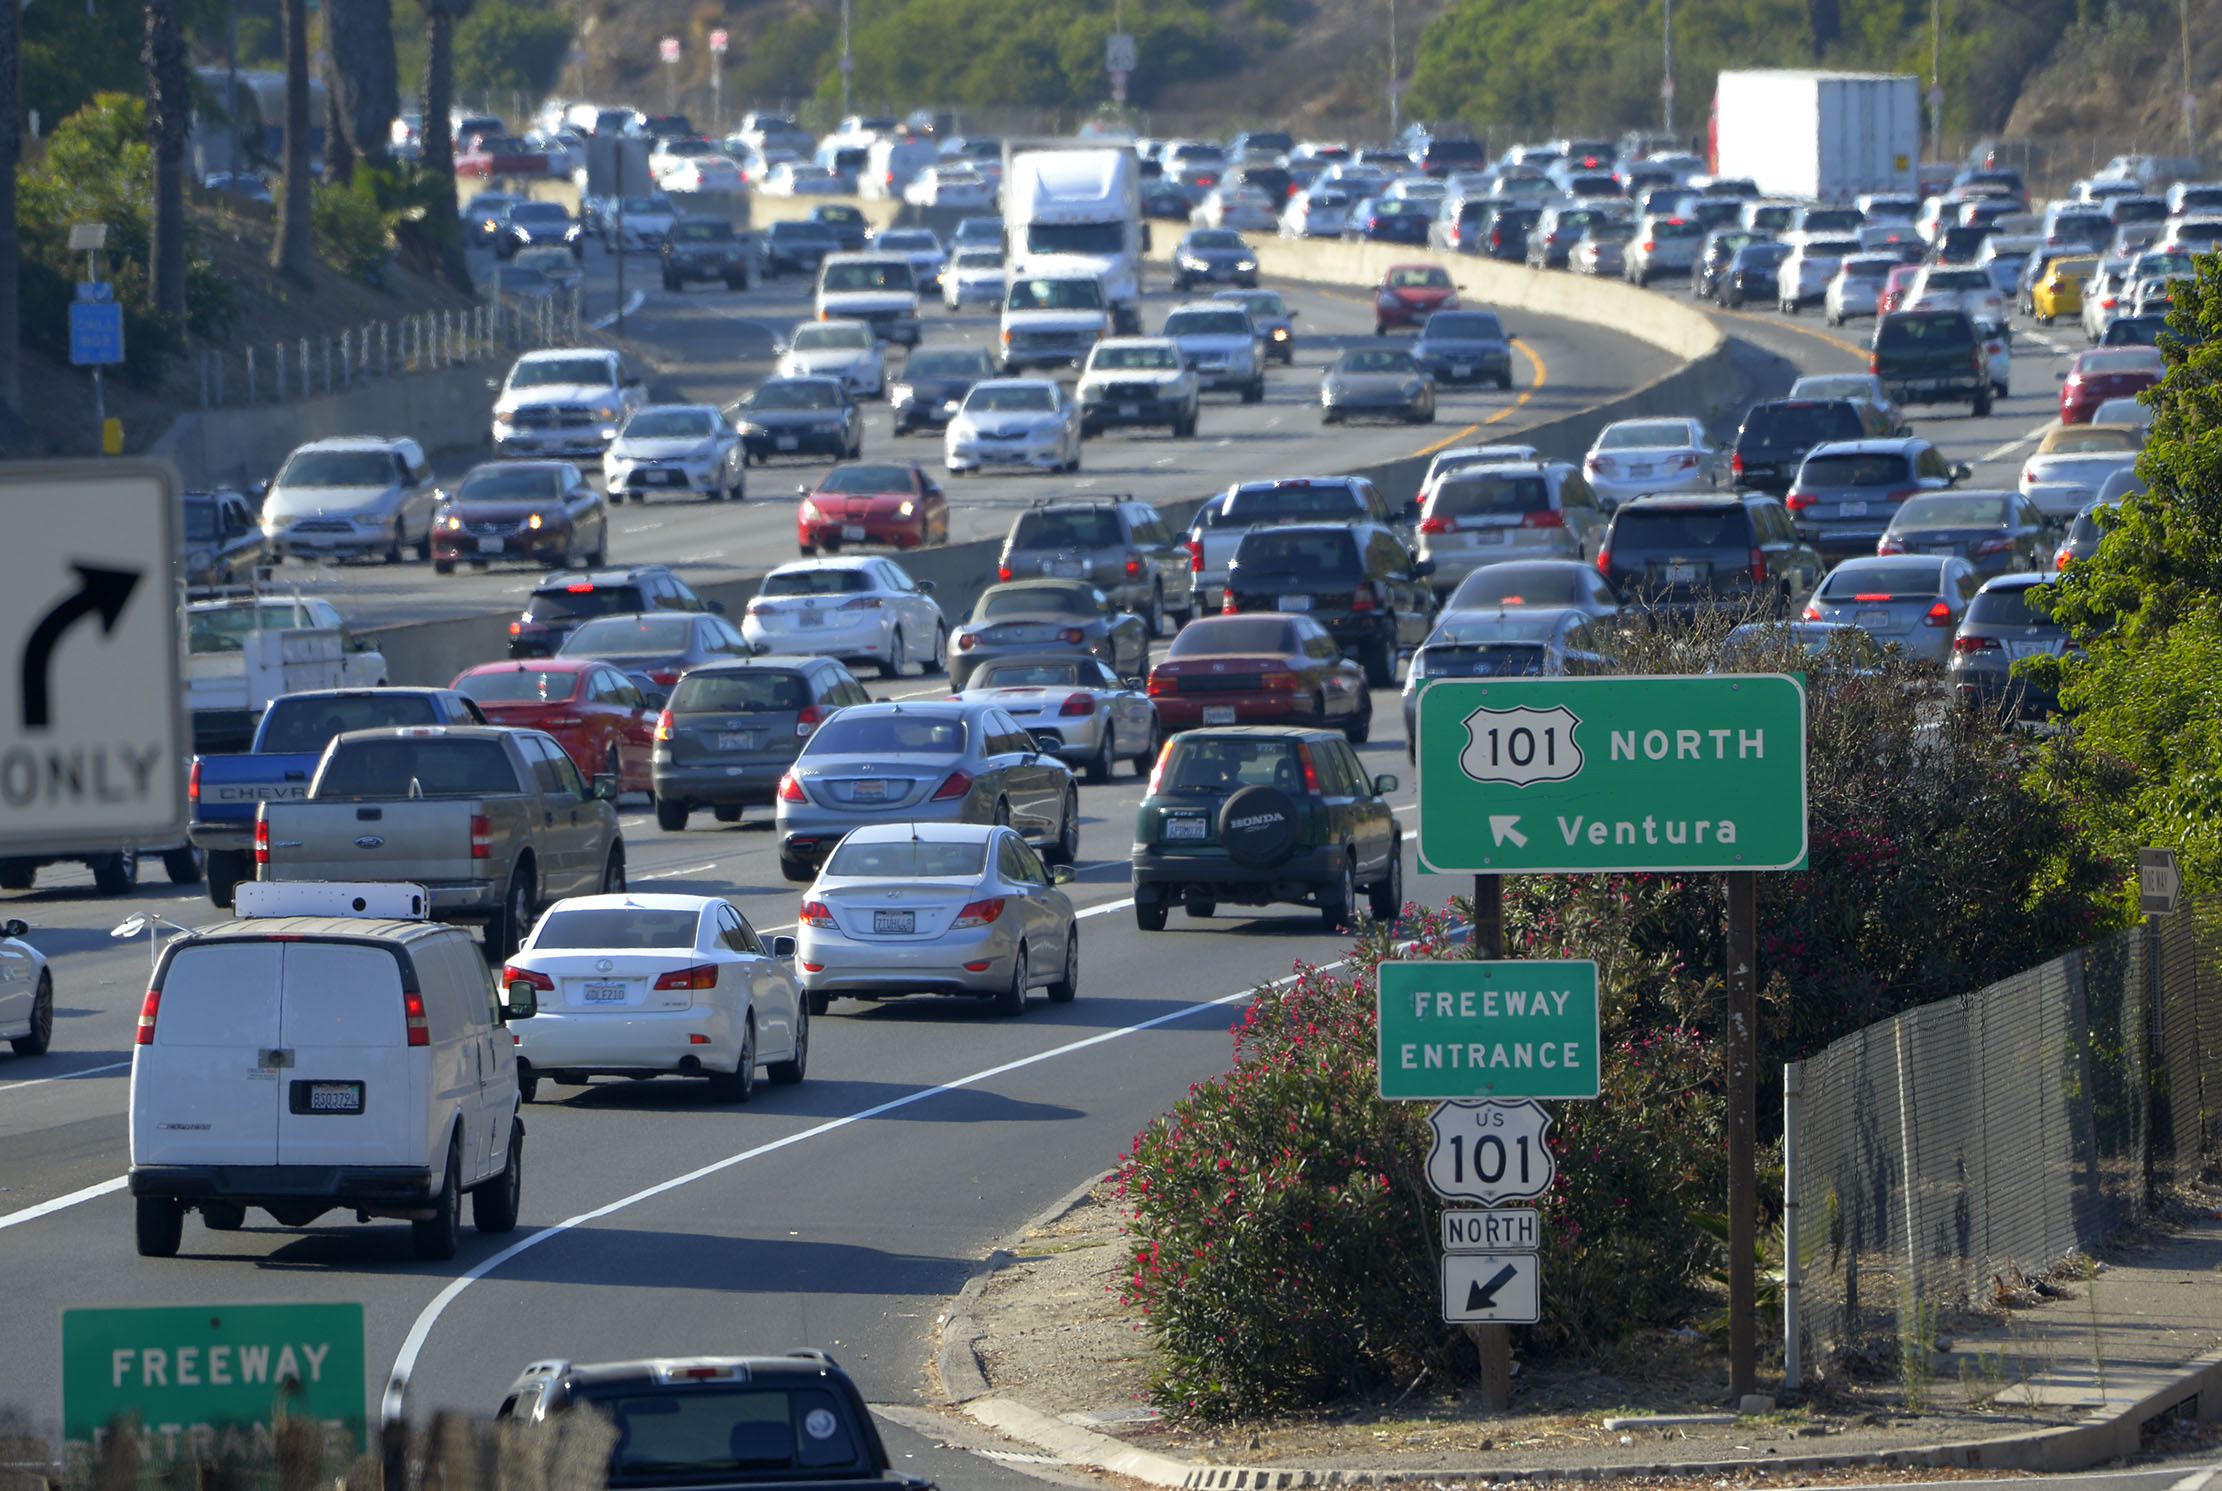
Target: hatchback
[
  {"x": 560, "y": 602},
  {"x": 1668, "y": 554},
  {"x": 1778, "y": 434},
  {"x": 2007, "y": 621},
  {"x": 862, "y": 609},
  {"x": 663, "y": 647},
  {"x": 731, "y": 730},
  {"x": 1913, "y": 601},
  {"x": 1382, "y": 382},
  {"x": 1663, "y": 245},
  {"x": 1479, "y": 515},
  {"x": 2072, "y": 462},
  {"x": 1997, "y": 532},
  {"x": 1847, "y": 491}
]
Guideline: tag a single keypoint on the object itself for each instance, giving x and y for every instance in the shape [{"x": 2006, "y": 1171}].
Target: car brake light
[
  {"x": 1071, "y": 634},
  {"x": 1282, "y": 682},
  {"x": 262, "y": 841},
  {"x": 1311, "y": 773},
  {"x": 1798, "y": 502},
  {"x": 790, "y": 790},
  {"x": 1759, "y": 566},
  {"x": 1874, "y": 363},
  {"x": 1545, "y": 518},
  {"x": 412, "y": 1016},
  {"x": 700, "y": 976},
  {"x": 1888, "y": 545},
  {"x": 1227, "y": 607},
  {"x": 663, "y": 725},
  {"x": 1736, "y": 463},
  {"x": 193, "y": 782},
  {"x": 1362, "y": 598},
  {"x": 1002, "y": 572},
  {"x": 1162, "y": 684},
  {"x": 1078, "y": 704},
  {"x": 1812, "y": 611},
  {"x": 1157, "y": 770},
  {"x": 584, "y": 587},
  {"x": 512, "y": 974},
  {"x": 1872, "y": 595},
  {"x": 956, "y": 784},
  {"x": 1940, "y": 614},
  {"x": 1647, "y": 245},
  {"x": 516, "y": 628},
  {"x": 1974, "y": 644},
  {"x": 1604, "y": 562},
  {"x": 815, "y": 914},
  {"x": 978, "y": 913},
  {"x": 810, "y": 717},
  {"x": 664, "y": 676},
  {"x": 1195, "y": 550},
  {"x": 1437, "y": 525},
  {"x": 153, "y": 1002},
  {"x": 482, "y": 836},
  {"x": 1133, "y": 565}
]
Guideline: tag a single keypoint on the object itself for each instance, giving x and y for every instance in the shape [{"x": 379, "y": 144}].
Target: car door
[
  {"x": 19, "y": 976},
  {"x": 570, "y": 849},
  {"x": 751, "y": 972},
  {"x": 420, "y": 494},
  {"x": 589, "y": 510},
  {"x": 1362, "y": 816},
  {"x": 1048, "y": 911},
  {"x": 1037, "y": 780},
  {"x": 205, "y": 1082},
  {"x": 1130, "y": 708}
]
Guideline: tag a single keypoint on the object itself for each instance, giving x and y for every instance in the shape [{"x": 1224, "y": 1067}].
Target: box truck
[
  {"x": 1827, "y": 136},
  {"x": 1078, "y": 211}
]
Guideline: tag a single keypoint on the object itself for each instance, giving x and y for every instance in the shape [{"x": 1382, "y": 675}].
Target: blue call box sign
[{"x": 95, "y": 332}]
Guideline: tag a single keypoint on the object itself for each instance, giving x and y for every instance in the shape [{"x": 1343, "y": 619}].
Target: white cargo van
[
  {"x": 889, "y": 166},
  {"x": 327, "y": 1049}
]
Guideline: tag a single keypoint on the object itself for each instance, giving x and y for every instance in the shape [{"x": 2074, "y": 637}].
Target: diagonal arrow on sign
[
  {"x": 1505, "y": 827},
  {"x": 1480, "y": 1296}
]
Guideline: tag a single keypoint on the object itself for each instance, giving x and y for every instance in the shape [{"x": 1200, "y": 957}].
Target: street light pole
[
  {"x": 2190, "y": 99},
  {"x": 1666, "y": 77},
  {"x": 848, "y": 62},
  {"x": 1936, "y": 80},
  {"x": 1395, "y": 123}
]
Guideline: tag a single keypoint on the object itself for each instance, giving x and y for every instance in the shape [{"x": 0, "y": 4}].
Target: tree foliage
[
  {"x": 1012, "y": 52},
  {"x": 503, "y": 48}
]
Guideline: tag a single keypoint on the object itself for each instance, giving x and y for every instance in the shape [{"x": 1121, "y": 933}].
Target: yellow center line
[
  {"x": 1536, "y": 365},
  {"x": 1786, "y": 324}
]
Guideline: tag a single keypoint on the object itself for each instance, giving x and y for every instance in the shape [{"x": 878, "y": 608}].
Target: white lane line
[
  {"x": 2000, "y": 453},
  {"x": 2196, "y": 1481},
  {"x": 633, "y": 302},
  {"x": 412, "y": 1346},
  {"x": 61, "y": 1203},
  {"x": 113, "y": 1066},
  {"x": 682, "y": 870}
]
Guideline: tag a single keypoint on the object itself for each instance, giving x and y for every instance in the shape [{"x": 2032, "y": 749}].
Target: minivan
[
  {"x": 329, "y": 1048},
  {"x": 1777, "y": 434}
]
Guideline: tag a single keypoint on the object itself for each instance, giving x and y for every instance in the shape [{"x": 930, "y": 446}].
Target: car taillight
[
  {"x": 1437, "y": 525},
  {"x": 1939, "y": 614},
  {"x": 516, "y": 628},
  {"x": 790, "y": 790},
  {"x": 1600, "y": 465},
  {"x": 412, "y": 1016},
  {"x": 1874, "y": 363},
  {"x": 1604, "y": 562},
  {"x": 1888, "y": 545},
  {"x": 1157, "y": 770},
  {"x": 815, "y": 914},
  {"x": 1798, "y": 502},
  {"x": 1162, "y": 684},
  {"x": 810, "y": 717},
  {"x": 262, "y": 841},
  {"x": 1311, "y": 773},
  {"x": 1227, "y": 607},
  {"x": 1759, "y": 566},
  {"x": 1685, "y": 462},
  {"x": 153, "y": 1003},
  {"x": 2029, "y": 474},
  {"x": 1974, "y": 644},
  {"x": 1901, "y": 494},
  {"x": 1002, "y": 572},
  {"x": 1362, "y": 599},
  {"x": 1071, "y": 634},
  {"x": 1077, "y": 704},
  {"x": 862, "y": 603},
  {"x": 1544, "y": 518},
  {"x": 978, "y": 913},
  {"x": 966, "y": 641},
  {"x": 1812, "y": 611},
  {"x": 663, "y": 725},
  {"x": 193, "y": 783},
  {"x": 1736, "y": 463},
  {"x": 700, "y": 976},
  {"x": 1133, "y": 565},
  {"x": 1195, "y": 550},
  {"x": 956, "y": 784},
  {"x": 1993, "y": 546},
  {"x": 1647, "y": 245},
  {"x": 512, "y": 974},
  {"x": 2060, "y": 557},
  {"x": 1279, "y": 683},
  {"x": 482, "y": 836}
]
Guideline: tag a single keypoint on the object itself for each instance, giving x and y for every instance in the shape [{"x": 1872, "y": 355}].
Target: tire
[
  {"x": 509, "y": 925},
  {"x": 1067, "y": 847},
  {"x": 1100, "y": 765},
  {"x": 1981, "y": 408},
  {"x": 1504, "y": 382},
  {"x": 613, "y": 871},
  {"x": 937, "y": 661},
  {"x": 730, "y": 813},
  {"x": 1156, "y": 618},
  {"x": 34, "y": 1041},
  {"x": 671, "y": 815},
  {"x": 891, "y": 666},
  {"x": 1254, "y": 393},
  {"x": 443, "y": 566},
  {"x": 738, "y": 1085},
  {"x": 1336, "y": 900},
  {"x": 1150, "y": 917},
  {"x": 223, "y": 1216},
  {"x": 1068, "y": 983},
  {"x": 183, "y": 866},
  {"x": 115, "y": 874},
  {"x": 1011, "y": 1002},
  {"x": 1199, "y": 908},
  {"x": 225, "y": 868},
  {"x": 435, "y": 1238},
  {"x": 528, "y": 1083},
  {"x": 158, "y": 1225},
  {"x": 1385, "y": 897},
  {"x": 17, "y": 875},
  {"x": 1357, "y": 731},
  {"x": 1330, "y": 416},
  {"x": 424, "y": 546},
  {"x": 494, "y": 1202},
  {"x": 1380, "y": 665},
  {"x": 788, "y": 1073},
  {"x": 795, "y": 871},
  {"x": 393, "y": 549},
  {"x": 1155, "y": 742}
]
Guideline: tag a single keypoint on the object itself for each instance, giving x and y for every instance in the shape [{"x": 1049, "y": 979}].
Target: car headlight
[
  {"x": 533, "y": 521},
  {"x": 906, "y": 509},
  {"x": 1412, "y": 388},
  {"x": 1245, "y": 263},
  {"x": 809, "y": 511},
  {"x": 505, "y": 412},
  {"x": 609, "y": 411},
  {"x": 1280, "y": 333},
  {"x": 901, "y": 393},
  {"x": 750, "y": 427},
  {"x": 452, "y": 523}
]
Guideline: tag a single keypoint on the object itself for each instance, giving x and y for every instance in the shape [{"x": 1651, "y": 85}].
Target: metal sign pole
[
  {"x": 1743, "y": 1072},
  {"x": 1492, "y": 1342},
  {"x": 619, "y": 152}
]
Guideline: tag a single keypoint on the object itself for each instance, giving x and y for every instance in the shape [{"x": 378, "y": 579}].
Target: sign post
[
  {"x": 1119, "y": 56},
  {"x": 96, "y": 329},
  {"x": 668, "y": 48},
  {"x": 718, "y": 40}
]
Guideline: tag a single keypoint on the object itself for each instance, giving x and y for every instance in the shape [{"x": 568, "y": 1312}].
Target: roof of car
[
  {"x": 297, "y": 927},
  {"x": 816, "y": 1364},
  {"x": 355, "y": 442},
  {"x": 2020, "y": 580},
  {"x": 932, "y": 833},
  {"x": 1279, "y": 732},
  {"x": 1878, "y": 446},
  {"x": 564, "y": 579},
  {"x": 533, "y": 664},
  {"x": 546, "y": 354}
]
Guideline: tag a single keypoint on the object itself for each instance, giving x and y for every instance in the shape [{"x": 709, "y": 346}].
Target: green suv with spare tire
[{"x": 1255, "y": 815}]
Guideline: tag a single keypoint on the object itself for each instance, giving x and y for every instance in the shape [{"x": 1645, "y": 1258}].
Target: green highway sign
[
  {"x": 211, "y": 1372},
  {"x": 1523, "y": 1028},
  {"x": 1577, "y": 776}
]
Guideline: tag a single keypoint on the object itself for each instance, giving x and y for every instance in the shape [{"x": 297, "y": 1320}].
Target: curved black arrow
[
  {"x": 102, "y": 591},
  {"x": 1480, "y": 1296}
]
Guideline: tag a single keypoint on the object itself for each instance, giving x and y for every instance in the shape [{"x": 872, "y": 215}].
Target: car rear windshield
[
  {"x": 631, "y": 634},
  {"x": 2010, "y": 605},
  {"x": 740, "y": 692},
  {"x": 1306, "y": 551},
  {"x": 1487, "y": 495},
  {"x": 893, "y": 276},
  {"x": 1520, "y": 585},
  {"x": 523, "y": 684},
  {"x": 2086, "y": 527},
  {"x": 888, "y": 734},
  {"x": 1048, "y": 674},
  {"x": 1855, "y": 469},
  {"x": 1278, "y": 504},
  {"x": 1645, "y": 434},
  {"x": 1067, "y": 530},
  {"x": 908, "y": 858},
  {"x": 1465, "y": 326},
  {"x": 590, "y": 600},
  {"x": 1482, "y": 660},
  {"x": 1907, "y": 581},
  {"x": 1035, "y": 600},
  {"x": 1806, "y": 424},
  {"x": 946, "y": 362},
  {"x": 1944, "y": 511},
  {"x": 1682, "y": 529},
  {"x": 1676, "y": 227},
  {"x": 1915, "y": 331},
  {"x": 722, "y": 1434},
  {"x": 303, "y": 725},
  {"x": 827, "y": 581},
  {"x": 631, "y": 927},
  {"x": 1224, "y": 763},
  {"x": 702, "y": 230},
  {"x": 429, "y": 767}
]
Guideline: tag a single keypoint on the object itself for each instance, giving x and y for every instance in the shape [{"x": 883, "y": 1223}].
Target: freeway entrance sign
[
  {"x": 1525, "y": 1028},
  {"x": 203, "y": 1373},
  {"x": 1593, "y": 775},
  {"x": 1492, "y": 1288}
]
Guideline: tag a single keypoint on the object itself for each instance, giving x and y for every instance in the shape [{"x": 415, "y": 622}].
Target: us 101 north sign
[{"x": 1594, "y": 775}]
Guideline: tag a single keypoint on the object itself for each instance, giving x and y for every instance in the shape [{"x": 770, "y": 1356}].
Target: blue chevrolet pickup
[{"x": 226, "y": 790}]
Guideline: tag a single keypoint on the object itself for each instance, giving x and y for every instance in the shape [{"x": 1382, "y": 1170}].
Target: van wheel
[
  {"x": 787, "y": 1073},
  {"x": 159, "y": 1226},
  {"x": 528, "y": 1082},
  {"x": 225, "y": 869},
  {"x": 738, "y": 1085},
  {"x": 183, "y": 866},
  {"x": 671, "y": 815},
  {"x": 613, "y": 871},
  {"x": 114, "y": 874},
  {"x": 435, "y": 1237},
  {"x": 494, "y": 1203},
  {"x": 223, "y": 1216}
]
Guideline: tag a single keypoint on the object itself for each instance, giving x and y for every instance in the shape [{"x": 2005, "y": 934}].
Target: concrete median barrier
[{"x": 443, "y": 410}]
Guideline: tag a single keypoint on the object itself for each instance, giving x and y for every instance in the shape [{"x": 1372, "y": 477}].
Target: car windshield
[
  {"x": 908, "y": 241},
  {"x": 1915, "y": 332},
  {"x": 1136, "y": 357},
  {"x": 1376, "y": 360},
  {"x": 1092, "y": 529},
  {"x": 1223, "y": 764},
  {"x": 1227, "y": 634},
  {"x": 947, "y": 362},
  {"x": 2110, "y": 363},
  {"x": 1464, "y": 326},
  {"x": 1011, "y": 398},
  {"x": 1855, "y": 469},
  {"x": 740, "y": 691},
  {"x": 725, "y": 1433},
  {"x": 1892, "y": 580},
  {"x": 339, "y": 468},
  {"x": 534, "y": 212},
  {"x": 1418, "y": 277},
  {"x": 619, "y": 634},
  {"x": 2010, "y": 605},
  {"x": 1297, "y": 551},
  {"x": 1641, "y": 526},
  {"x": 1485, "y": 494},
  {"x": 1042, "y": 675},
  {"x": 201, "y": 526},
  {"x": 1519, "y": 585},
  {"x": 670, "y": 424},
  {"x": 1645, "y": 434},
  {"x": 648, "y": 206},
  {"x": 430, "y": 767},
  {"x": 797, "y": 393},
  {"x": 1806, "y": 424},
  {"x": 908, "y": 858},
  {"x": 868, "y": 480},
  {"x": 541, "y": 372},
  {"x": 522, "y": 684},
  {"x": 1076, "y": 238},
  {"x": 304, "y": 724},
  {"x": 832, "y": 336},
  {"x": 632, "y": 928},
  {"x": 828, "y": 581},
  {"x": 894, "y": 275},
  {"x": 1216, "y": 238},
  {"x": 892, "y": 734},
  {"x": 699, "y": 230},
  {"x": 573, "y": 602},
  {"x": 1054, "y": 295},
  {"x": 1953, "y": 510},
  {"x": 1035, "y": 600}
]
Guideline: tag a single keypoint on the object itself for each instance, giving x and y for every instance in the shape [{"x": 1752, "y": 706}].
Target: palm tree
[
  {"x": 169, "y": 110},
  {"x": 11, "y": 149},
  {"x": 443, "y": 222},
  {"x": 291, "y": 253},
  {"x": 362, "y": 82}
]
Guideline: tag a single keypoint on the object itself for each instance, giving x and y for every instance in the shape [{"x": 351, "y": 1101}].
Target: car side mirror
[
  {"x": 802, "y": 489},
  {"x": 605, "y": 786},
  {"x": 1061, "y": 875},
  {"x": 1135, "y": 684},
  {"x": 924, "y": 587},
  {"x": 1423, "y": 567},
  {"x": 524, "y": 1001},
  {"x": 1962, "y": 472},
  {"x": 14, "y": 926},
  {"x": 1384, "y": 784},
  {"x": 2059, "y": 377},
  {"x": 717, "y": 608},
  {"x": 783, "y": 947}
]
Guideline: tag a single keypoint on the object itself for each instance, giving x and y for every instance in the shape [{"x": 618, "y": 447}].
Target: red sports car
[
  {"x": 1259, "y": 669},
  {"x": 1410, "y": 293},
  {"x": 593, "y": 710},
  {"x": 2107, "y": 373},
  {"x": 869, "y": 502},
  {"x": 500, "y": 155}
]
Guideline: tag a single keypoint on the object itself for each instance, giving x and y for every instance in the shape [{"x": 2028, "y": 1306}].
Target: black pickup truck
[{"x": 1931, "y": 357}]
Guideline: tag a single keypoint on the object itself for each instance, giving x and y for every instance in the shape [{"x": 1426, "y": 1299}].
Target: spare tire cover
[{"x": 1259, "y": 826}]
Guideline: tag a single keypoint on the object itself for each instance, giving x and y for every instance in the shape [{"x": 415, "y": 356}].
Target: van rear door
[
  {"x": 207, "y": 1088},
  {"x": 354, "y": 1094}
]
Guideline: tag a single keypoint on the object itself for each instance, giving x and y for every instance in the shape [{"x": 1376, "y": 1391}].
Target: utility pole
[
  {"x": 848, "y": 61},
  {"x": 1666, "y": 77},
  {"x": 2190, "y": 99},
  {"x": 1936, "y": 79},
  {"x": 1395, "y": 111}
]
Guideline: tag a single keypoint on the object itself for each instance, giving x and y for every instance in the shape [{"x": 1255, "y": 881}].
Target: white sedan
[
  {"x": 26, "y": 993},
  {"x": 846, "y": 350},
  {"x": 856, "y": 606},
  {"x": 1014, "y": 422},
  {"x": 938, "y": 908},
  {"x": 801, "y": 179},
  {"x": 975, "y": 273},
  {"x": 1316, "y": 214},
  {"x": 950, "y": 186},
  {"x": 703, "y": 173},
  {"x": 638, "y": 986},
  {"x": 1804, "y": 276},
  {"x": 1246, "y": 209},
  {"x": 1640, "y": 457},
  {"x": 1077, "y": 707}
]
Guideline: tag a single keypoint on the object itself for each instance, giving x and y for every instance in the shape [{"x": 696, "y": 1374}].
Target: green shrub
[{"x": 349, "y": 232}]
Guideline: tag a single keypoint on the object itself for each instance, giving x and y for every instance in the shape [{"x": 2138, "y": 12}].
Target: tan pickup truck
[{"x": 495, "y": 823}]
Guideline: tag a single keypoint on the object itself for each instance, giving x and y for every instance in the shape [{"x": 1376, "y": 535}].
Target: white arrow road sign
[
  {"x": 1490, "y": 1151},
  {"x": 1492, "y": 1288},
  {"x": 1507, "y": 826}
]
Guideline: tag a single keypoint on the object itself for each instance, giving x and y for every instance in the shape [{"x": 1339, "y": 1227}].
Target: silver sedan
[
  {"x": 938, "y": 908},
  {"x": 1077, "y": 707}
]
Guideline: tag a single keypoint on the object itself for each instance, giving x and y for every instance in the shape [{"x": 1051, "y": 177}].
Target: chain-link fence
[{"x": 1956, "y": 1147}]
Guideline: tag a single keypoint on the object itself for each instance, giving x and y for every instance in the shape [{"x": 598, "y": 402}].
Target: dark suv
[
  {"x": 1847, "y": 491},
  {"x": 1689, "y": 552},
  {"x": 704, "y": 248},
  {"x": 1257, "y": 814},
  {"x": 1777, "y": 434},
  {"x": 1355, "y": 579},
  {"x": 564, "y": 599},
  {"x": 1931, "y": 357},
  {"x": 1123, "y": 547},
  {"x": 2006, "y": 622}
]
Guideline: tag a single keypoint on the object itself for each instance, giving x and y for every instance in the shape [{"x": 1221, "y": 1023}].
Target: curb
[{"x": 954, "y": 1359}]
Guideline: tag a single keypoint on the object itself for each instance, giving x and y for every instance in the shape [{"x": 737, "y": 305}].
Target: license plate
[
  {"x": 489, "y": 546},
  {"x": 1130, "y": 411},
  {"x": 1461, "y": 369},
  {"x": 1944, "y": 549},
  {"x": 787, "y": 442},
  {"x": 1874, "y": 620},
  {"x": 2028, "y": 649},
  {"x": 602, "y": 991},
  {"x": 852, "y": 532},
  {"x": 1293, "y": 603},
  {"x": 1639, "y": 470},
  {"x": 1852, "y": 509},
  {"x": 1680, "y": 574},
  {"x": 871, "y": 790},
  {"x": 334, "y": 1097},
  {"x": 810, "y": 618},
  {"x": 740, "y": 740},
  {"x": 1219, "y": 714},
  {"x": 894, "y": 921},
  {"x": 1069, "y": 569},
  {"x": 1186, "y": 828}
]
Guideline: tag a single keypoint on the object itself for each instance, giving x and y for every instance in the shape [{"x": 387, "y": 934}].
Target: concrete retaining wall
[{"x": 442, "y": 410}]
